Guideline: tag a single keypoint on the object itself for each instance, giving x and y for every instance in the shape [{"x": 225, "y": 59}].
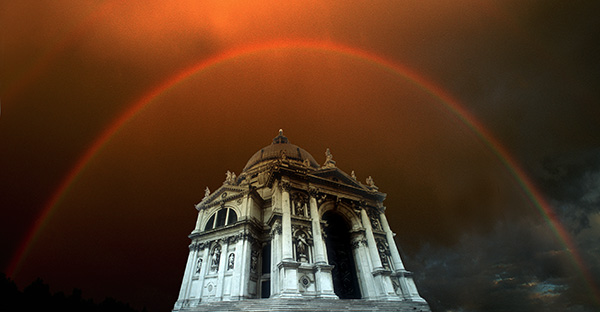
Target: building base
[{"x": 330, "y": 305}]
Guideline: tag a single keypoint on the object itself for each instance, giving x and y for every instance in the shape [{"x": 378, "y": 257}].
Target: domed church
[{"x": 289, "y": 234}]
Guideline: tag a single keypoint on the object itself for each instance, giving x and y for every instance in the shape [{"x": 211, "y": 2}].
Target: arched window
[{"x": 222, "y": 217}]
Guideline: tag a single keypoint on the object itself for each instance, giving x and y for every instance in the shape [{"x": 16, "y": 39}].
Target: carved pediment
[
  {"x": 338, "y": 176},
  {"x": 222, "y": 195}
]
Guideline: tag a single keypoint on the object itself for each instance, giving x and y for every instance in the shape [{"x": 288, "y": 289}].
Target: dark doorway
[
  {"x": 339, "y": 252},
  {"x": 265, "y": 284}
]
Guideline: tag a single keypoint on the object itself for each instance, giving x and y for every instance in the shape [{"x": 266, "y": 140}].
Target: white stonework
[{"x": 287, "y": 227}]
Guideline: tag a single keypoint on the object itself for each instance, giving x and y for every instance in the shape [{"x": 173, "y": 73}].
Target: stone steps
[{"x": 330, "y": 305}]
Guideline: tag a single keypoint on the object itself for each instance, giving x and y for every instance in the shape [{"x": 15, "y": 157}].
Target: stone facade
[{"x": 287, "y": 227}]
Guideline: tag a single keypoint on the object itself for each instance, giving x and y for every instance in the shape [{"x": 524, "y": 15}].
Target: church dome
[{"x": 275, "y": 150}]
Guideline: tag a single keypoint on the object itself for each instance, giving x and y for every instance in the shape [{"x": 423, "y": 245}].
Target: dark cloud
[{"x": 519, "y": 266}]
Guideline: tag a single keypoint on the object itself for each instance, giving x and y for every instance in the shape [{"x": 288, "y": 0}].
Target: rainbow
[{"x": 451, "y": 104}]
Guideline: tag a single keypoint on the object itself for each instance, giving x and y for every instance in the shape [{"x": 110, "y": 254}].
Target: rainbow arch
[{"x": 450, "y": 103}]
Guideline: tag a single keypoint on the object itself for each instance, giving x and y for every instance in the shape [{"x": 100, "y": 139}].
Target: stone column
[
  {"x": 204, "y": 251},
  {"x": 405, "y": 280},
  {"x": 397, "y": 261},
  {"x": 286, "y": 222},
  {"x": 275, "y": 258},
  {"x": 222, "y": 269},
  {"x": 323, "y": 277},
  {"x": 187, "y": 278},
  {"x": 199, "y": 220},
  {"x": 371, "y": 240},
  {"x": 364, "y": 266},
  {"x": 381, "y": 275},
  {"x": 238, "y": 268},
  {"x": 319, "y": 243},
  {"x": 288, "y": 267}
]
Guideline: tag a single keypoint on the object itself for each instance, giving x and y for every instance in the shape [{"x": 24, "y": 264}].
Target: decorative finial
[{"x": 280, "y": 138}]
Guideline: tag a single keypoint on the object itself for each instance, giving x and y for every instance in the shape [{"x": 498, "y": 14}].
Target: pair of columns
[
  {"x": 382, "y": 277},
  {"x": 288, "y": 265},
  {"x": 397, "y": 271}
]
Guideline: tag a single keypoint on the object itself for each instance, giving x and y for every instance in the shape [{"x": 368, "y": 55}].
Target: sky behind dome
[{"x": 115, "y": 116}]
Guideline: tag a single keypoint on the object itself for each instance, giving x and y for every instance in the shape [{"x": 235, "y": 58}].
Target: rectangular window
[{"x": 221, "y": 216}]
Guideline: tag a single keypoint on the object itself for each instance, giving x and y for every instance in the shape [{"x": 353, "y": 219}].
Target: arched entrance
[{"x": 339, "y": 253}]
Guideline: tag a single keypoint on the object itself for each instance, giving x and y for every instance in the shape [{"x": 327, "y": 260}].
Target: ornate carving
[
  {"x": 230, "y": 261},
  {"x": 375, "y": 222},
  {"x": 305, "y": 281},
  {"x": 276, "y": 228},
  {"x": 384, "y": 252},
  {"x": 313, "y": 191},
  {"x": 198, "y": 246},
  {"x": 206, "y": 192},
  {"x": 285, "y": 186},
  {"x": 358, "y": 242},
  {"x": 234, "y": 238},
  {"x": 396, "y": 285},
  {"x": 249, "y": 237},
  {"x": 321, "y": 198},
  {"x": 306, "y": 162}
]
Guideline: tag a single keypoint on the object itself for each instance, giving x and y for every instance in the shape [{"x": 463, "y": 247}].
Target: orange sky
[{"x": 70, "y": 69}]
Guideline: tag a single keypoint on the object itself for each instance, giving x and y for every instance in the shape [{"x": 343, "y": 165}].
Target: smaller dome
[{"x": 279, "y": 146}]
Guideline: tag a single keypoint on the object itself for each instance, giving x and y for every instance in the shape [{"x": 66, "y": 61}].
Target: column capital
[
  {"x": 285, "y": 186},
  {"x": 276, "y": 228},
  {"x": 313, "y": 191}
]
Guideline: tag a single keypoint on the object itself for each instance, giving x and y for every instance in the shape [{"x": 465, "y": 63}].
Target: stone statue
[
  {"x": 301, "y": 246},
  {"x": 199, "y": 265},
  {"x": 299, "y": 208},
  {"x": 230, "y": 177},
  {"x": 329, "y": 162},
  {"x": 206, "y": 192},
  {"x": 353, "y": 175},
  {"x": 253, "y": 261},
  {"x": 231, "y": 261},
  {"x": 371, "y": 183},
  {"x": 216, "y": 257}
]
